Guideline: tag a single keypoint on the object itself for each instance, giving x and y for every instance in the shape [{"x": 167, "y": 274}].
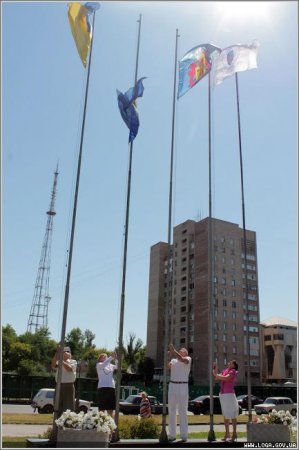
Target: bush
[
  {"x": 136, "y": 428},
  {"x": 48, "y": 434}
]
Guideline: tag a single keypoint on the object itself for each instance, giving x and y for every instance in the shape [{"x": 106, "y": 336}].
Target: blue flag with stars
[{"x": 128, "y": 108}]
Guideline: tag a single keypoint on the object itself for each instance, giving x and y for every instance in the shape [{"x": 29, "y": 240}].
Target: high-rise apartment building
[{"x": 188, "y": 305}]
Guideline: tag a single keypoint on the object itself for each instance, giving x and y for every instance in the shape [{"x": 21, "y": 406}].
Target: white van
[{"x": 43, "y": 401}]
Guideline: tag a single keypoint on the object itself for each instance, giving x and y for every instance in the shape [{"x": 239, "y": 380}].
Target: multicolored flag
[
  {"x": 235, "y": 58},
  {"x": 194, "y": 66},
  {"x": 79, "y": 18},
  {"x": 128, "y": 108}
]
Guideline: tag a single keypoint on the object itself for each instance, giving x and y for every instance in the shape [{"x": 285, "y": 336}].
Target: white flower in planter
[
  {"x": 92, "y": 420},
  {"x": 278, "y": 417}
]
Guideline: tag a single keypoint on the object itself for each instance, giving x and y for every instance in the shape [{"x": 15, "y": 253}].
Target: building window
[
  {"x": 234, "y": 350},
  {"x": 224, "y": 302},
  {"x": 234, "y": 304},
  {"x": 222, "y": 280},
  {"x": 234, "y": 326},
  {"x": 224, "y": 338},
  {"x": 233, "y": 293},
  {"x": 224, "y": 314},
  {"x": 224, "y": 325},
  {"x": 232, "y": 261},
  {"x": 215, "y": 280},
  {"x": 223, "y": 291},
  {"x": 234, "y": 338},
  {"x": 233, "y": 283},
  {"x": 278, "y": 337},
  {"x": 234, "y": 315},
  {"x": 268, "y": 337}
]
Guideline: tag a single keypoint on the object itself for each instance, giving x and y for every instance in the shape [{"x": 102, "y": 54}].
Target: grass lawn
[
  {"x": 13, "y": 442},
  {"x": 47, "y": 419}
]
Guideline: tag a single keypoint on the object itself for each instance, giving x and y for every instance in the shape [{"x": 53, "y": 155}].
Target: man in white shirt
[
  {"x": 68, "y": 377},
  {"x": 178, "y": 392},
  {"x": 106, "y": 384}
]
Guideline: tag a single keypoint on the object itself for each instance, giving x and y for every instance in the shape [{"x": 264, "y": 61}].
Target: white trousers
[{"x": 178, "y": 395}]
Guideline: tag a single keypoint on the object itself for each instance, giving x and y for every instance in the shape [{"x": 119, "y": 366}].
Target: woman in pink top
[{"x": 228, "y": 400}]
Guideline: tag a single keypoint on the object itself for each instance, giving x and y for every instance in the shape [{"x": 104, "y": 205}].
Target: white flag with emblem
[{"x": 236, "y": 58}]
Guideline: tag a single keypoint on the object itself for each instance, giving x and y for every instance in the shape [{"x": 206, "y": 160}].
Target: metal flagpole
[
  {"x": 69, "y": 265},
  {"x": 245, "y": 259},
  {"x": 211, "y": 435},
  {"x": 163, "y": 435},
  {"x": 122, "y": 302}
]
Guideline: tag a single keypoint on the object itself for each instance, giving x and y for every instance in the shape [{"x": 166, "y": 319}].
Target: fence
[{"x": 23, "y": 388}]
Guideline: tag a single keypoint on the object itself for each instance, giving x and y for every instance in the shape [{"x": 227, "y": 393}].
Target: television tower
[{"x": 38, "y": 317}]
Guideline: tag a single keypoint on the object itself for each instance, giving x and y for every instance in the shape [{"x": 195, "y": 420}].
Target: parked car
[
  {"x": 131, "y": 405},
  {"x": 43, "y": 401},
  {"x": 243, "y": 401},
  {"x": 277, "y": 403},
  {"x": 201, "y": 405}
]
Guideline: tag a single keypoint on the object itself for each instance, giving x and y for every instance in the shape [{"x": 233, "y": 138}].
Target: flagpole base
[
  {"x": 163, "y": 436},
  {"x": 211, "y": 436},
  {"x": 115, "y": 436}
]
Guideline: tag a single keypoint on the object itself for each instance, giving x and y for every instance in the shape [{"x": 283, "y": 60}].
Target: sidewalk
[
  {"x": 23, "y": 430},
  {"x": 35, "y": 430}
]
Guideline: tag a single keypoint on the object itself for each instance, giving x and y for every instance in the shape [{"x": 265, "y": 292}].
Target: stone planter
[
  {"x": 72, "y": 438},
  {"x": 261, "y": 432}
]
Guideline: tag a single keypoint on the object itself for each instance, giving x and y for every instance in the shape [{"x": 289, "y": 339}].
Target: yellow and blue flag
[
  {"x": 128, "y": 109},
  {"x": 194, "y": 65},
  {"x": 79, "y": 18}
]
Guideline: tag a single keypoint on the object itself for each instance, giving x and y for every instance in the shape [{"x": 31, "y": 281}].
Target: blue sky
[{"x": 43, "y": 82}]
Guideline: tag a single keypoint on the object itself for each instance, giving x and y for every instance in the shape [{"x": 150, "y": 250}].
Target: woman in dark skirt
[{"x": 106, "y": 384}]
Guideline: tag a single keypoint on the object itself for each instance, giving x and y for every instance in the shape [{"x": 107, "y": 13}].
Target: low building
[{"x": 279, "y": 350}]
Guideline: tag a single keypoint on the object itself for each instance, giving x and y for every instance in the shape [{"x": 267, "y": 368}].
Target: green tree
[
  {"x": 9, "y": 336},
  {"x": 30, "y": 367},
  {"x": 146, "y": 368},
  {"x": 80, "y": 342},
  {"x": 43, "y": 347},
  {"x": 132, "y": 352},
  {"x": 18, "y": 352}
]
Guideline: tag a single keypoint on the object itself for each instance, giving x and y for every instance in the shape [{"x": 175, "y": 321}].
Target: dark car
[
  {"x": 201, "y": 405},
  {"x": 132, "y": 405},
  {"x": 243, "y": 401}
]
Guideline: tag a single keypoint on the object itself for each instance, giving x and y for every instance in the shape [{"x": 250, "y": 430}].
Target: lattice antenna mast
[{"x": 38, "y": 317}]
